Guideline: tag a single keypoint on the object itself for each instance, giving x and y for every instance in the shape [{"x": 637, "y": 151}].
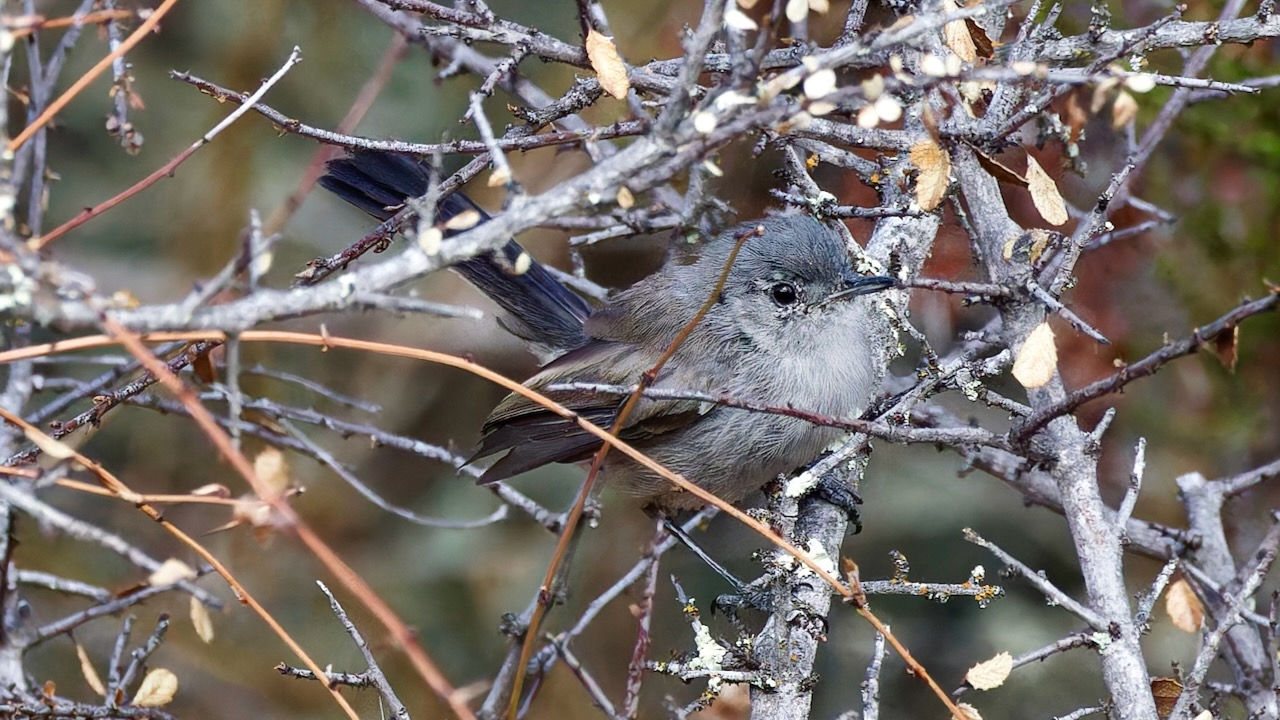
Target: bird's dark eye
[{"x": 784, "y": 293}]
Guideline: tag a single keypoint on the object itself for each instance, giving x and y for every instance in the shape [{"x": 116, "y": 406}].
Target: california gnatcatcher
[{"x": 789, "y": 328}]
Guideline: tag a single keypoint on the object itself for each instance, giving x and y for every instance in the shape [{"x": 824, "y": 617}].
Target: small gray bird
[{"x": 789, "y": 328}]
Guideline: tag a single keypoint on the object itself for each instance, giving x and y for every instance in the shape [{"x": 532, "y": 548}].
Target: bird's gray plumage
[
  {"x": 809, "y": 355},
  {"x": 788, "y": 328}
]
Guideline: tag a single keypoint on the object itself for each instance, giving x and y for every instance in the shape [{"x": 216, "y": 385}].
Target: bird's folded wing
[{"x": 535, "y": 436}]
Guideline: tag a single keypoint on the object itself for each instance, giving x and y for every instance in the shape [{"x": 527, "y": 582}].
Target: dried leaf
[
  {"x": 1039, "y": 241},
  {"x": 170, "y": 572},
  {"x": 887, "y": 108},
  {"x": 738, "y": 20},
  {"x": 430, "y": 239},
  {"x": 999, "y": 170},
  {"x": 956, "y": 35},
  {"x": 260, "y": 265},
  {"x": 986, "y": 49},
  {"x": 1183, "y": 607},
  {"x": 89, "y": 673},
  {"x": 933, "y": 66},
  {"x": 1226, "y": 346},
  {"x": 1044, "y": 193},
  {"x": 203, "y": 367},
  {"x": 124, "y": 299},
  {"x": 822, "y": 107},
  {"x": 873, "y": 87},
  {"x": 1074, "y": 113},
  {"x": 935, "y": 173},
  {"x": 464, "y": 220},
  {"x": 797, "y": 10},
  {"x": 1165, "y": 690},
  {"x": 201, "y": 621},
  {"x": 850, "y": 570},
  {"x": 271, "y": 469},
  {"x": 969, "y": 711},
  {"x": 1029, "y": 246},
  {"x": 1024, "y": 67},
  {"x": 499, "y": 177},
  {"x": 1141, "y": 82},
  {"x": 53, "y": 448},
  {"x": 820, "y": 84},
  {"x": 868, "y": 117},
  {"x": 1037, "y": 359},
  {"x": 852, "y": 575},
  {"x": 990, "y": 674},
  {"x": 1101, "y": 93},
  {"x": 625, "y": 199},
  {"x": 610, "y": 71},
  {"x": 1123, "y": 110},
  {"x": 217, "y": 490},
  {"x": 157, "y": 689},
  {"x": 252, "y": 511}
]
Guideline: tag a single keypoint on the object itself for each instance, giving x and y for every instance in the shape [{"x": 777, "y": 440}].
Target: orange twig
[
  {"x": 89, "y": 213},
  {"x": 83, "y": 81},
  {"x": 40, "y": 23},
  {"x": 149, "y": 499},
  {"x": 461, "y": 363},
  {"x": 329, "y": 341},
  {"x": 167, "y": 170},
  {"x": 27, "y": 473},
  {"x": 575, "y": 513},
  {"x": 400, "y": 632},
  {"x": 117, "y": 487}
]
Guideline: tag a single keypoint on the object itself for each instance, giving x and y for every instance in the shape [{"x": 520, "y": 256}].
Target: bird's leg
[
  {"x": 685, "y": 539},
  {"x": 742, "y": 595},
  {"x": 833, "y": 489}
]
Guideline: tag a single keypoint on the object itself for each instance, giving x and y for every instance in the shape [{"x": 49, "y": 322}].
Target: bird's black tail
[{"x": 541, "y": 309}]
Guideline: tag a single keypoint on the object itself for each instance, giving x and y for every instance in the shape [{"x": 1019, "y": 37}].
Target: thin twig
[
  {"x": 374, "y": 672},
  {"x": 143, "y": 30},
  {"x": 1144, "y": 367},
  {"x": 167, "y": 169},
  {"x": 1048, "y": 589}
]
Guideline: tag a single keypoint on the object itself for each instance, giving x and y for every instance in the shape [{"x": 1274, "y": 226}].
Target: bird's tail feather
[{"x": 541, "y": 310}]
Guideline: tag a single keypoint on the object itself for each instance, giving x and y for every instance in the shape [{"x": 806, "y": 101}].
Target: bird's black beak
[{"x": 855, "y": 285}]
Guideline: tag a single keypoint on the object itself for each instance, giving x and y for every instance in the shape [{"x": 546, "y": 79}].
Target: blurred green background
[{"x": 1217, "y": 171}]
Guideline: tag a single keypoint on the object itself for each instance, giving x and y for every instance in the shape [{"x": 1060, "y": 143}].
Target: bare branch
[
  {"x": 1144, "y": 367},
  {"x": 1037, "y": 580},
  {"x": 374, "y": 672}
]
